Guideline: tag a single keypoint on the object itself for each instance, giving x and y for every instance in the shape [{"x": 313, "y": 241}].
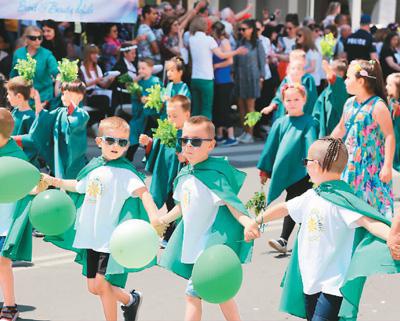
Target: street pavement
[{"x": 52, "y": 288}]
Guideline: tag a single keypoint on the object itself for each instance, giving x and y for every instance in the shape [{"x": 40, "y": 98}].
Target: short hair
[
  {"x": 298, "y": 87},
  {"x": 183, "y": 100},
  {"x": 340, "y": 65},
  {"x": 147, "y": 9},
  {"x": 297, "y": 54},
  {"x": 198, "y": 24},
  {"x": 19, "y": 85},
  {"x": 331, "y": 153},
  {"x": 148, "y": 61},
  {"x": 6, "y": 123},
  {"x": 31, "y": 29},
  {"x": 202, "y": 120},
  {"x": 114, "y": 123},
  {"x": 75, "y": 86}
]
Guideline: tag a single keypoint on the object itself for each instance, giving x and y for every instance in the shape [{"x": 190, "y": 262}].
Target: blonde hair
[
  {"x": 87, "y": 52},
  {"x": 31, "y": 29},
  {"x": 202, "y": 120},
  {"x": 113, "y": 123},
  {"x": 6, "y": 123},
  {"x": 396, "y": 79},
  {"x": 297, "y": 54},
  {"x": 182, "y": 100},
  {"x": 19, "y": 85}
]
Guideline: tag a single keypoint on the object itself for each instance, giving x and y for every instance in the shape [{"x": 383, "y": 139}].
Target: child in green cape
[
  {"x": 286, "y": 146},
  {"x": 341, "y": 240},
  {"x": 165, "y": 162},
  {"x": 295, "y": 74},
  {"x": 206, "y": 192},
  {"x": 15, "y": 228},
  {"x": 393, "y": 91},
  {"x": 329, "y": 106},
  {"x": 61, "y": 134},
  {"x": 110, "y": 186},
  {"x": 19, "y": 91},
  {"x": 142, "y": 118}
]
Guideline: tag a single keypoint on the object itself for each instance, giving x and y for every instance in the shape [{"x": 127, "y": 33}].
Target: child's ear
[{"x": 98, "y": 141}]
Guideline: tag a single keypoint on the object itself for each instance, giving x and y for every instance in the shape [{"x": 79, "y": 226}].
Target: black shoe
[
  {"x": 131, "y": 311},
  {"x": 279, "y": 245},
  {"x": 37, "y": 233}
]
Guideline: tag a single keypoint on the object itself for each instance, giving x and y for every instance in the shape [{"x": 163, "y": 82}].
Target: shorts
[
  {"x": 96, "y": 263},
  {"x": 190, "y": 291},
  {"x": 2, "y": 240}
]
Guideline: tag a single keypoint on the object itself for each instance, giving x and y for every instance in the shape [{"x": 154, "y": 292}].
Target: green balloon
[
  {"x": 52, "y": 212},
  {"x": 134, "y": 244},
  {"x": 17, "y": 179},
  {"x": 217, "y": 274}
]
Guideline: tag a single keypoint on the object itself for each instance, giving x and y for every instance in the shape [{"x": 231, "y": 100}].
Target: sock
[{"x": 131, "y": 300}]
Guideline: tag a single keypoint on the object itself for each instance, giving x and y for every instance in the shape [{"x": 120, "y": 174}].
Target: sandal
[{"x": 9, "y": 313}]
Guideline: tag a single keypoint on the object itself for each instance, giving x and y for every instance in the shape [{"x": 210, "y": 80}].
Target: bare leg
[
  {"x": 242, "y": 109},
  {"x": 231, "y": 133},
  {"x": 220, "y": 132},
  {"x": 107, "y": 297},
  {"x": 121, "y": 295},
  {"x": 230, "y": 310},
  {"x": 7, "y": 281},
  {"x": 193, "y": 309}
]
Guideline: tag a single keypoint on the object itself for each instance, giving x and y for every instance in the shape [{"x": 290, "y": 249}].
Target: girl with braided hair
[
  {"x": 281, "y": 160},
  {"x": 341, "y": 240},
  {"x": 366, "y": 128}
]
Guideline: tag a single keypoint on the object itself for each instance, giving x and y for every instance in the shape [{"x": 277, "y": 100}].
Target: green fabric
[
  {"x": 139, "y": 113},
  {"x": 202, "y": 97},
  {"x": 370, "y": 256},
  {"x": 46, "y": 71},
  {"x": 23, "y": 121},
  {"x": 396, "y": 128},
  {"x": 309, "y": 84},
  {"x": 132, "y": 209},
  {"x": 329, "y": 107},
  {"x": 163, "y": 163},
  {"x": 287, "y": 144},
  {"x": 61, "y": 140},
  {"x": 172, "y": 90},
  {"x": 225, "y": 181},
  {"x": 18, "y": 243}
]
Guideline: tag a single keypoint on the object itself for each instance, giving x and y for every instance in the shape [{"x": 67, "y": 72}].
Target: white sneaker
[
  {"x": 248, "y": 139},
  {"x": 243, "y": 135}
]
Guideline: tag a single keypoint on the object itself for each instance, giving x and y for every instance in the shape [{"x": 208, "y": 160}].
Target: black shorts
[{"x": 96, "y": 263}]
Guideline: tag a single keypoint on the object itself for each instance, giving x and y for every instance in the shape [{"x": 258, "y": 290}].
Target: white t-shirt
[
  {"x": 288, "y": 44},
  {"x": 266, "y": 43},
  {"x": 201, "y": 47},
  {"x": 325, "y": 242},
  {"x": 317, "y": 57},
  {"x": 132, "y": 72},
  {"x": 6, "y": 215},
  {"x": 106, "y": 189},
  {"x": 199, "y": 208}
]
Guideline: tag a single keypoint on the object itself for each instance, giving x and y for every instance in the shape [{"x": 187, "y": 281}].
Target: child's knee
[
  {"x": 193, "y": 300},
  {"x": 101, "y": 285},
  {"x": 91, "y": 285},
  {"x": 5, "y": 263}
]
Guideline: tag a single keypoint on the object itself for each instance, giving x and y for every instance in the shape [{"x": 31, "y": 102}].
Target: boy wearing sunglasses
[
  {"x": 340, "y": 243},
  {"x": 206, "y": 192},
  {"x": 165, "y": 162},
  {"x": 110, "y": 190}
]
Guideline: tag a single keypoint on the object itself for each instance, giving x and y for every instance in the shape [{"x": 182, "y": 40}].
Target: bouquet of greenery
[
  {"x": 166, "y": 132},
  {"x": 155, "y": 98},
  {"x": 328, "y": 44},
  {"x": 134, "y": 88},
  {"x": 26, "y": 68},
  {"x": 257, "y": 203},
  {"x": 68, "y": 70},
  {"x": 125, "y": 79},
  {"x": 252, "y": 118}
]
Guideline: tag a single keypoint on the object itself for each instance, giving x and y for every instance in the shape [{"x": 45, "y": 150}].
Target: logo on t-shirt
[
  {"x": 185, "y": 198},
  {"x": 315, "y": 225},
  {"x": 94, "y": 189}
]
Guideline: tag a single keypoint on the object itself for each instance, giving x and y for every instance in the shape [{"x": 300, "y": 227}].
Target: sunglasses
[
  {"x": 299, "y": 35},
  {"x": 306, "y": 160},
  {"x": 242, "y": 29},
  {"x": 34, "y": 38},
  {"x": 122, "y": 142},
  {"x": 195, "y": 142}
]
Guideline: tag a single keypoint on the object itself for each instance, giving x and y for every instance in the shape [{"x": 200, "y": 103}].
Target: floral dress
[{"x": 365, "y": 143}]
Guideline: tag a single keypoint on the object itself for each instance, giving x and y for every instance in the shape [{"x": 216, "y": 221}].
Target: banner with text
[{"x": 123, "y": 11}]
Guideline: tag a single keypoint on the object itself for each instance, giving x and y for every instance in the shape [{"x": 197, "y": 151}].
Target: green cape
[
  {"x": 62, "y": 141},
  {"x": 132, "y": 209},
  {"x": 370, "y": 256},
  {"x": 164, "y": 164},
  {"x": 329, "y": 107},
  {"x": 18, "y": 243},
  {"x": 287, "y": 144},
  {"x": 309, "y": 84},
  {"x": 225, "y": 181}
]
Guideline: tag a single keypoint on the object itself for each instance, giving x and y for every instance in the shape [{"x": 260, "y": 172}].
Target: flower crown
[
  {"x": 296, "y": 85},
  {"x": 362, "y": 72}
]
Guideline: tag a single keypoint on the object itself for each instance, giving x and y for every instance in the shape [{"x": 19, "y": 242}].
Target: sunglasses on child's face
[
  {"x": 34, "y": 38},
  {"x": 306, "y": 160},
  {"x": 195, "y": 142},
  {"x": 122, "y": 142}
]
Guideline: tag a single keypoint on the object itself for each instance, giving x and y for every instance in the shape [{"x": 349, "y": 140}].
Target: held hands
[
  {"x": 159, "y": 225},
  {"x": 51, "y": 181},
  {"x": 393, "y": 243},
  {"x": 251, "y": 231},
  {"x": 144, "y": 140},
  {"x": 386, "y": 174},
  {"x": 41, "y": 186}
]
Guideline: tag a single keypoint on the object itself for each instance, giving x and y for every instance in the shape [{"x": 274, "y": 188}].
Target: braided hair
[{"x": 334, "y": 155}]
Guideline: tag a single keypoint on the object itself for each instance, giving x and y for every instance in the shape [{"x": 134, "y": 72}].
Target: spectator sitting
[{"x": 53, "y": 40}]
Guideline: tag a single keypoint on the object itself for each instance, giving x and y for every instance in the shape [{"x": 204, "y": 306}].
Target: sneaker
[
  {"x": 279, "y": 245},
  {"x": 131, "y": 312},
  {"x": 37, "y": 233},
  {"x": 163, "y": 244},
  {"x": 241, "y": 136},
  {"x": 220, "y": 140},
  {"x": 247, "y": 139},
  {"x": 9, "y": 313},
  {"x": 230, "y": 142}
]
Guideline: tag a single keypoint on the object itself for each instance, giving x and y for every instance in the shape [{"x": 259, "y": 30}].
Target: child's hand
[
  {"x": 49, "y": 180},
  {"x": 269, "y": 109},
  {"x": 144, "y": 99},
  {"x": 386, "y": 174},
  {"x": 251, "y": 231},
  {"x": 41, "y": 186},
  {"x": 159, "y": 226},
  {"x": 263, "y": 180},
  {"x": 181, "y": 158},
  {"x": 144, "y": 140},
  {"x": 393, "y": 243}
]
